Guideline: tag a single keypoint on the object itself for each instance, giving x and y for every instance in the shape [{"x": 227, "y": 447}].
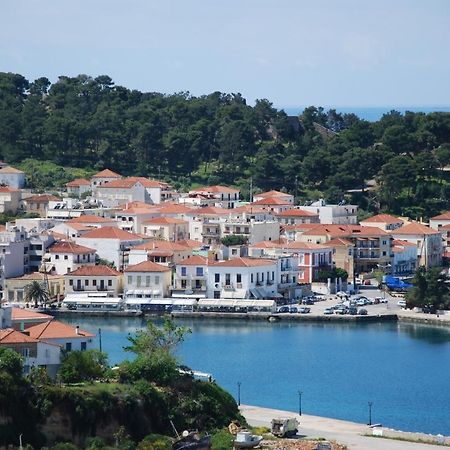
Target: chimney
[{"x": 77, "y": 330}]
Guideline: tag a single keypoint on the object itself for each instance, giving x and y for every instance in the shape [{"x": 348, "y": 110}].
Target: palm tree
[{"x": 36, "y": 291}]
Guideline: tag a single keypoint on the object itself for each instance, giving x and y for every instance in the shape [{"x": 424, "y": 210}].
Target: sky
[{"x": 293, "y": 52}]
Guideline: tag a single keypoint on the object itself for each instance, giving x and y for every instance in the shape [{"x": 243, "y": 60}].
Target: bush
[
  {"x": 80, "y": 366},
  {"x": 222, "y": 440}
]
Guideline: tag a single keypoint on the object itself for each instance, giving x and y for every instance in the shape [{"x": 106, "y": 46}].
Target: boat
[
  {"x": 192, "y": 441},
  {"x": 245, "y": 439}
]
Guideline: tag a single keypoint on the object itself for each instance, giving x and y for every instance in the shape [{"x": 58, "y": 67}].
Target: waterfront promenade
[{"x": 349, "y": 433}]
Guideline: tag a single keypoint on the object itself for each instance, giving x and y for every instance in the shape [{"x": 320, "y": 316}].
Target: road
[{"x": 343, "y": 432}]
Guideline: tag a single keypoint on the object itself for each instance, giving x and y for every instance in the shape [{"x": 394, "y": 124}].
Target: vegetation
[
  {"x": 234, "y": 239},
  {"x": 153, "y": 394},
  {"x": 333, "y": 273},
  {"x": 37, "y": 292},
  {"x": 430, "y": 290},
  {"x": 90, "y": 123}
]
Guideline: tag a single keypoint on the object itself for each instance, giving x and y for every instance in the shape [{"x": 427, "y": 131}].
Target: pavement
[{"x": 350, "y": 434}]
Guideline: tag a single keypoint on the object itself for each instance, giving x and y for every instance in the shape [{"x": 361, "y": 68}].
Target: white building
[
  {"x": 254, "y": 231},
  {"x": 385, "y": 222},
  {"x": 5, "y": 317},
  {"x": 167, "y": 228},
  {"x": 12, "y": 177},
  {"x": 221, "y": 196},
  {"x": 287, "y": 198},
  {"x": 102, "y": 177},
  {"x": 405, "y": 257},
  {"x": 341, "y": 214},
  {"x": 93, "y": 278},
  {"x": 161, "y": 252},
  {"x": 110, "y": 243},
  {"x": 9, "y": 199},
  {"x": 14, "y": 253},
  {"x": 191, "y": 278},
  {"x": 78, "y": 187},
  {"x": 148, "y": 278},
  {"x": 66, "y": 256}
]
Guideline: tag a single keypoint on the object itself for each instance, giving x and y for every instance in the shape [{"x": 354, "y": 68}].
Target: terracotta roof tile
[
  {"x": 54, "y": 329},
  {"x": 414, "y": 228},
  {"x": 7, "y": 189},
  {"x": 443, "y": 216},
  {"x": 10, "y": 336},
  {"x": 271, "y": 201},
  {"x": 190, "y": 243},
  {"x": 111, "y": 233},
  {"x": 10, "y": 169},
  {"x": 382, "y": 218},
  {"x": 147, "y": 266},
  {"x": 18, "y": 314},
  {"x": 107, "y": 173},
  {"x": 94, "y": 271},
  {"x": 244, "y": 262},
  {"x": 296, "y": 212},
  {"x": 216, "y": 189},
  {"x": 44, "y": 198},
  {"x": 78, "y": 182},
  {"x": 210, "y": 211},
  {"x": 70, "y": 247},
  {"x": 90, "y": 218},
  {"x": 195, "y": 260},
  {"x": 272, "y": 194},
  {"x": 164, "y": 221},
  {"x": 159, "y": 244}
]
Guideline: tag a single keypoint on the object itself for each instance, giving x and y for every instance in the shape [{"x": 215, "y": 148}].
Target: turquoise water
[
  {"x": 404, "y": 369},
  {"x": 373, "y": 114}
]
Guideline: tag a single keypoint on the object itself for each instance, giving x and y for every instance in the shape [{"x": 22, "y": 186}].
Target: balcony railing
[{"x": 228, "y": 286}]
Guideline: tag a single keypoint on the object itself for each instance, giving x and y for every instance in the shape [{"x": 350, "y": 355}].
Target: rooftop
[
  {"x": 164, "y": 221},
  {"x": 18, "y": 314},
  {"x": 78, "y": 182},
  {"x": 53, "y": 329},
  {"x": 94, "y": 271},
  {"x": 89, "y": 218},
  {"x": 147, "y": 266},
  {"x": 10, "y": 336},
  {"x": 443, "y": 216},
  {"x": 106, "y": 173},
  {"x": 9, "y": 169},
  {"x": 216, "y": 189},
  {"x": 271, "y": 201},
  {"x": 244, "y": 262},
  {"x": 414, "y": 228},
  {"x": 111, "y": 233},
  {"x": 273, "y": 193},
  {"x": 382, "y": 218},
  {"x": 296, "y": 212},
  {"x": 70, "y": 247},
  {"x": 195, "y": 260}
]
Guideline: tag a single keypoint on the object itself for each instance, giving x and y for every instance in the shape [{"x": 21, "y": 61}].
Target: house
[
  {"x": 295, "y": 216},
  {"x": 9, "y": 199},
  {"x": 111, "y": 244},
  {"x": 14, "y": 291},
  {"x": 70, "y": 230},
  {"x": 288, "y": 198},
  {"x": 385, "y": 222},
  {"x": 428, "y": 242},
  {"x": 161, "y": 252},
  {"x": 35, "y": 352},
  {"x": 12, "y": 177},
  {"x": 102, "y": 177},
  {"x": 222, "y": 196},
  {"x": 249, "y": 212},
  {"x": 405, "y": 257},
  {"x": 252, "y": 230},
  {"x": 191, "y": 278},
  {"x": 78, "y": 187},
  {"x": 273, "y": 204},
  {"x": 341, "y": 214},
  {"x": 5, "y": 316},
  {"x": 439, "y": 221},
  {"x": 94, "y": 278},
  {"x": 21, "y": 318},
  {"x": 66, "y": 256},
  {"x": 38, "y": 204},
  {"x": 66, "y": 336},
  {"x": 14, "y": 253},
  {"x": 167, "y": 228},
  {"x": 240, "y": 278},
  {"x": 131, "y": 218},
  {"x": 150, "y": 279},
  {"x": 343, "y": 255}
]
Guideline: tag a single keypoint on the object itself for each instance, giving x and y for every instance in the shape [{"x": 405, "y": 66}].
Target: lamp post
[
  {"x": 299, "y": 402},
  {"x": 370, "y": 413},
  {"x": 100, "y": 338},
  {"x": 239, "y": 393}
]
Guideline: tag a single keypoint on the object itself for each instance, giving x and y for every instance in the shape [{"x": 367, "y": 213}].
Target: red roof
[
  {"x": 127, "y": 183},
  {"x": 18, "y": 314},
  {"x": 7, "y": 189},
  {"x": 216, "y": 189},
  {"x": 248, "y": 209},
  {"x": 70, "y": 247},
  {"x": 94, "y": 271},
  {"x": 190, "y": 243},
  {"x": 339, "y": 242},
  {"x": 78, "y": 182},
  {"x": 210, "y": 211},
  {"x": 164, "y": 221},
  {"x": 272, "y": 194},
  {"x": 10, "y": 336},
  {"x": 158, "y": 244},
  {"x": 106, "y": 174},
  {"x": 111, "y": 233},
  {"x": 382, "y": 218},
  {"x": 296, "y": 212},
  {"x": 195, "y": 260},
  {"x": 335, "y": 230},
  {"x": 136, "y": 204},
  {"x": 443, "y": 216},
  {"x": 54, "y": 329},
  {"x": 175, "y": 209},
  {"x": 270, "y": 201},
  {"x": 147, "y": 266},
  {"x": 44, "y": 198},
  {"x": 295, "y": 245},
  {"x": 404, "y": 243},
  {"x": 244, "y": 262},
  {"x": 414, "y": 228},
  {"x": 89, "y": 218}
]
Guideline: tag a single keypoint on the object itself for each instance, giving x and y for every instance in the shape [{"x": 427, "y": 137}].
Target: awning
[
  {"x": 185, "y": 302},
  {"x": 181, "y": 295}
]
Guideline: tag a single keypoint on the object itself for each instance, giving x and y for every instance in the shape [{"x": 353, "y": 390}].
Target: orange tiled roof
[
  {"x": 414, "y": 228},
  {"x": 175, "y": 209},
  {"x": 44, "y": 198},
  {"x": 210, "y": 211},
  {"x": 404, "y": 243},
  {"x": 271, "y": 201},
  {"x": 190, "y": 243},
  {"x": 7, "y": 189},
  {"x": 339, "y": 242},
  {"x": 111, "y": 233},
  {"x": 164, "y": 221},
  {"x": 129, "y": 182},
  {"x": 248, "y": 209},
  {"x": 147, "y": 266},
  {"x": 54, "y": 329},
  {"x": 195, "y": 260},
  {"x": 155, "y": 244},
  {"x": 272, "y": 194},
  {"x": 78, "y": 182},
  {"x": 443, "y": 216},
  {"x": 10, "y": 336},
  {"x": 382, "y": 218},
  {"x": 94, "y": 271},
  {"x": 10, "y": 169},
  {"x": 107, "y": 173},
  {"x": 18, "y": 314},
  {"x": 136, "y": 204},
  {"x": 296, "y": 212},
  {"x": 216, "y": 189},
  {"x": 244, "y": 262},
  {"x": 70, "y": 247},
  {"x": 89, "y": 218}
]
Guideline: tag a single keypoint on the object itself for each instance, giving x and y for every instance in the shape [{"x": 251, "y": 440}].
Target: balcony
[{"x": 228, "y": 286}]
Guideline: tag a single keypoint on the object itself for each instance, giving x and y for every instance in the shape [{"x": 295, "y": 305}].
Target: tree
[
  {"x": 37, "y": 292},
  {"x": 154, "y": 347},
  {"x": 234, "y": 239},
  {"x": 11, "y": 363},
  {"x": 78, "y": 366}
]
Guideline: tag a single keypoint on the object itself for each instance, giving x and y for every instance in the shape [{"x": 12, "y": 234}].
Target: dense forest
[{"x": 395, "y": 164}]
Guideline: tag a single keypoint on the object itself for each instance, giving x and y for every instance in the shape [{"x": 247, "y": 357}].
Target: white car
[
  {"x": 328, "y": 311},
  {"x": 402, "y": 303}
]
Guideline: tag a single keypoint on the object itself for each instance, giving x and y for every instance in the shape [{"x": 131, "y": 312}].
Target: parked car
[
  {"x": 328, "y": 311},
  {"x": 362, "y": 312},
  {"x": 360, "y": 302},
  {"x": 308, "y": 301},
  {"x": 402, "y": 303},
  {"x": 429, "y": 310},
  {"x": 283, "y": 309},
  {"x": 341, "y": 311},
  {"x": 304, "y": 310},
  {"x": 293, "y": 309},
  {"x": 352, "y": 311}
]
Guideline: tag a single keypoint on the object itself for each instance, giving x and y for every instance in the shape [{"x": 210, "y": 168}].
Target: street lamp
[
  {"x": 300, "y": 402},
  {"x": 100, "y": 338},
  {"x": 239, "y": 393},
  {"x": 370, "y": 413}
]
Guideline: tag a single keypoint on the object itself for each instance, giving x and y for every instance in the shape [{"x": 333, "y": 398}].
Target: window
[
  {"x": 138, "y": 280},
  {"x": 157, "y": 280},
  {"x": 70, "y": 282},
  {"x": 130, "y": 279},
  {"x": 238, "y": 278},
  {"x": 199, "y": 271},
  {"x": 83, "y": 346},
  {"x": 216, "y": 277},
  {"x": 25, "y": 352},
  {"x": 384, "y": 253},
  {"x": 56, "y": 256},
  {"x": 68, "y": 346},
  {"x": 384, "y": 242},
  {"x": 183, "y": 271},
  {"x": 251, "y": 278},
  {"x": 216, "y": 294},
  {"x": 86, "y": 282},
  {"x": 147, "y": 281},
  {"x": 66, "y": 257},
  {"x": 94, "y": 282},
  {"x": 109, "y": 282}
]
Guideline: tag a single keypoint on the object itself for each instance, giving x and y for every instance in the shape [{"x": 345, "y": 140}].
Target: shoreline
[{"x": 354, "y": 435}]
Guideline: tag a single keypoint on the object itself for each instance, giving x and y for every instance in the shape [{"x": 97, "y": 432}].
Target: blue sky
[{"x": 293, "y": 52}]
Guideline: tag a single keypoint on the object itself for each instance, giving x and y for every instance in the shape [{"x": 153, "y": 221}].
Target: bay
[{"x": 404, "y": 369}]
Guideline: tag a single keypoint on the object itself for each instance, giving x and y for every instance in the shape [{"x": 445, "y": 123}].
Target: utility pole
[
  {"x": 239, "y": 393},
  {"x": 300, "y": 403}
]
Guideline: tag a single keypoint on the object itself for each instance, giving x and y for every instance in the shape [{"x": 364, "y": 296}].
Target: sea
[
  {"x": 372, "y": 114},
  {"x": 403, "y": 369}
]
